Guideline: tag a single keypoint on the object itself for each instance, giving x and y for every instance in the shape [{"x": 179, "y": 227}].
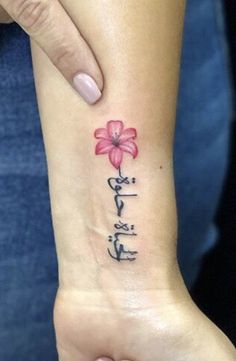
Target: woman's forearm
[{"x": 107, "y": 236}]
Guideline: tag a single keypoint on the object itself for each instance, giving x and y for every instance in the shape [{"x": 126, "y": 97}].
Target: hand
[
  {"x": 162, "y": 325},
  {"x": 50, "y": 26}
]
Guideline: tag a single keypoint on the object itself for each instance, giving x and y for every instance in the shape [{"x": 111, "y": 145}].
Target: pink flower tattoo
[{"x": 115, "y": 140}]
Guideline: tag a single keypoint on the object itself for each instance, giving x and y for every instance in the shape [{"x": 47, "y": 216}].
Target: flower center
[{"x": 115, "y": 140}]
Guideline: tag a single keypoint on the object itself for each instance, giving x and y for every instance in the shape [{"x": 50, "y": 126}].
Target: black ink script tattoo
[{"x": 118, "y": 250}]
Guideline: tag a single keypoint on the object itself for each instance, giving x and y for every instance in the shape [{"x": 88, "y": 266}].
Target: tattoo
[
  {"x": 115, "y": 141},
  {"x": 116, "y": 185}
]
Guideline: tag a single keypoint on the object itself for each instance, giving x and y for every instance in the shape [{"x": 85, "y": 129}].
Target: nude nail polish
[{"x": 87, "y": 88}]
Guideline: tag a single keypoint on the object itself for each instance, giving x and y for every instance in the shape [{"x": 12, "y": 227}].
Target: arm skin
[
  {"x": 127, "y": 310},
  {"x": 140, "y": 89}
]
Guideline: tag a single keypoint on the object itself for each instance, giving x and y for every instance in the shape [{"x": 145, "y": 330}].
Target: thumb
[{"x": 51, "y": 27}]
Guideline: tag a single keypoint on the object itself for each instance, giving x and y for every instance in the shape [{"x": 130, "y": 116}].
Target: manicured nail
[{"x": 87, "y": 88}]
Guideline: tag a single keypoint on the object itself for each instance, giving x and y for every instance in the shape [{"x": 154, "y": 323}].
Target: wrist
[
  {"x": 80, "y": 275},
  {"x": 82, "y": 225}
]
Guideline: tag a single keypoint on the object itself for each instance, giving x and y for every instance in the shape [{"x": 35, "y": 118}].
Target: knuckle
[
  {"x": 31, "y": 14},
  {"x": 64, "y": 55}
]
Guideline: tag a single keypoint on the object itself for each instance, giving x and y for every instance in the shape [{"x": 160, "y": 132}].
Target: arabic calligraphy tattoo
[{"x": 114, "y": 140}]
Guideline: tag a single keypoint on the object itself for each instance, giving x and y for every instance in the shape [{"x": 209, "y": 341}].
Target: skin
[
  {"x": 4, "y": 17},
  {"x": 126, "y": 311}
]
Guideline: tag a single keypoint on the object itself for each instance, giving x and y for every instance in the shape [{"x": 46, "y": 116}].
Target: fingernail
[
  {"x": 104, "y": 359},
  {"x": 87, "y": 88}
]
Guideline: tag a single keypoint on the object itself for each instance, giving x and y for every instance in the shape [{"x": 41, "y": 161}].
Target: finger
[
  {"x": 51, "y": 27},
  {"x": 4, "y": 17}
]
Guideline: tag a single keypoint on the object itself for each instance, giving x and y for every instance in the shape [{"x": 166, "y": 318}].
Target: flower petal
[
  {"x": 116, "y": 156},
  {"x": 103, "y": 146},
  {"x": 114, "y": 128},
  {"x": 128, "y": 134},
  {"x": 129, "y": 147},
  {"x": 101, "y": 133}
]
